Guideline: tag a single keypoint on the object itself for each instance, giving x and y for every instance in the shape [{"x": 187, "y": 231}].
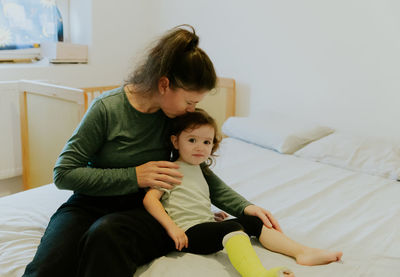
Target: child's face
[{"x": 194, "y": 145}]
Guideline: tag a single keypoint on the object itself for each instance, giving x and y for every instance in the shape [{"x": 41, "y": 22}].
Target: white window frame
[{"x": 26, "y": 55}]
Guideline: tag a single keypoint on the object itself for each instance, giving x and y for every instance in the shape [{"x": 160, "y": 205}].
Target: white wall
[{"x": 337, "y": 61}]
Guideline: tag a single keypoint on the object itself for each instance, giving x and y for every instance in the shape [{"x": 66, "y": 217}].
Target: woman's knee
[
  {"x": 130, "y": 237},
  {"x": 102, "y": 230},
  {"x": 116, "y": 229}
]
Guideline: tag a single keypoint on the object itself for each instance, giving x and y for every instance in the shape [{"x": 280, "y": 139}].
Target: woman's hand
[
  {"x": 220, "y": 216},
  {"x": 266, "y": 217},
  {"x": 161, "y": 174},
  {"x": 178, "y": 236}
]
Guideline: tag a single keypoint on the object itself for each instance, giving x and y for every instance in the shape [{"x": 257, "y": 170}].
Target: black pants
[
  {"x": 99, "y": 236},
  {"x": 206, "y": 238}
]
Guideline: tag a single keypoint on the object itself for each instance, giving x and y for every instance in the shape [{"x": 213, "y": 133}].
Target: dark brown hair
[
  {"x": 192, "y": 121},
  {"x": 176, "y": 56}
]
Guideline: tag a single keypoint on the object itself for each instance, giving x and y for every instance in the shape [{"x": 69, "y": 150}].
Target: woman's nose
[{"x": 191, "y": 108}]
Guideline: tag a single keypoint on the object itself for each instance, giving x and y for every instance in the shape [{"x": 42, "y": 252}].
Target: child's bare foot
[{"x": 315, "y": 256}]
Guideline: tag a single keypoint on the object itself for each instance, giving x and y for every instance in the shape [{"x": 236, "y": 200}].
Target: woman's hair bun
[
  {"x": 193, "y": 43},
  {"x": 177, "y": 56}
]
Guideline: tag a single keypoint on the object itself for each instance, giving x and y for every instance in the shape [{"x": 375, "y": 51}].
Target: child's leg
[
  {"x": 278, "y": 242},
  {"x": 206, "y": 238},
  {"x": 245, "y": 260}
]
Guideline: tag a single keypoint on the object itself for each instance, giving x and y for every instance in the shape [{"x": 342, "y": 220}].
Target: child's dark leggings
[{"x": 206, "y": 238}]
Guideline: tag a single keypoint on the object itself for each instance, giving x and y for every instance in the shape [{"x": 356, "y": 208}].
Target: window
[{"x": 24, "y": 24}]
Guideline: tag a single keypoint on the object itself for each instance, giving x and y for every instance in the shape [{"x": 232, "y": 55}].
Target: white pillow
[
  {"x": 274, "y": 131},
  {"x": 375, "y": 156}
]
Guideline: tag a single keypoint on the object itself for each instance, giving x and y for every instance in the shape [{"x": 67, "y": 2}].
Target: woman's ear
[
  {"x": 163, "y": 85},
  {"x": 174, "y": 140}
]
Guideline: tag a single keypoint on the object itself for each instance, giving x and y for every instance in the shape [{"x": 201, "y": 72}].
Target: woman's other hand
[
  {"x": 266, "y": 217},
  {"x": 161, "y": 174},
  {"x": 220, "y": 216}
]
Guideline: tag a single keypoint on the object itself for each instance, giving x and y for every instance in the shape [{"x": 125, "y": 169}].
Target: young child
[{"x": 185, "y": 210}]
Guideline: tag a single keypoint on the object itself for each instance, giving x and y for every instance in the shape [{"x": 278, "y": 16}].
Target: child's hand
[
  {"x": 179, "y": 237},
  {"x": 220, "y": 216},
  {"x": 266, "y": 217}
]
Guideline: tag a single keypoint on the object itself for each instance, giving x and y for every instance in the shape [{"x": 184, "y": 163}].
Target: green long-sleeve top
[{"x": 113, "y": 138}]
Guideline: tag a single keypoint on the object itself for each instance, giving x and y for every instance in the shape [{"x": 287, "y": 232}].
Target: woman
[{"x": 118, "y": 149}]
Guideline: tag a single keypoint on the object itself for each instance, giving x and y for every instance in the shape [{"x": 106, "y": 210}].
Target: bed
[{"x": 328, "y": 189}]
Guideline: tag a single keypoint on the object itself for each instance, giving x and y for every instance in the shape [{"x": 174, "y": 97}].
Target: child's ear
[{"x": 174, "y": 140}]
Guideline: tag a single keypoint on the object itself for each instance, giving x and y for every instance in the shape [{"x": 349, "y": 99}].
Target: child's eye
[
  {"x": 192, "y": 140},
  {"x": 207, "y": 142}
]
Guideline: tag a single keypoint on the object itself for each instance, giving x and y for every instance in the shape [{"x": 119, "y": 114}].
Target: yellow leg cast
[{"x": 245, "y": 260}]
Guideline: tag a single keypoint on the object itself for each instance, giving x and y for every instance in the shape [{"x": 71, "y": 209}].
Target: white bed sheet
[{"x": 316, "y": 204}]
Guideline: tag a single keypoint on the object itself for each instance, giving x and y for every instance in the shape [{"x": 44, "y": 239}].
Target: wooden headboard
[
  {"x": 50, "y": 113},
  {"x": 91, "y": 93}
]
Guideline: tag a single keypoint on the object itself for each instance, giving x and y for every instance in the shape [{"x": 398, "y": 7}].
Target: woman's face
[{"x": 175, "y": 102}]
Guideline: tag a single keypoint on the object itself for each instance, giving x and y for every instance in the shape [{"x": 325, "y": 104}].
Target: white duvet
[{"x": 316, "y": 204}]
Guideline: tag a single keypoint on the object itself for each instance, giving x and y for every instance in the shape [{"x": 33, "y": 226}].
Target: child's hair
[
  {"x": 192, "y": 121},
  {"x": 176, "y": 56}
]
